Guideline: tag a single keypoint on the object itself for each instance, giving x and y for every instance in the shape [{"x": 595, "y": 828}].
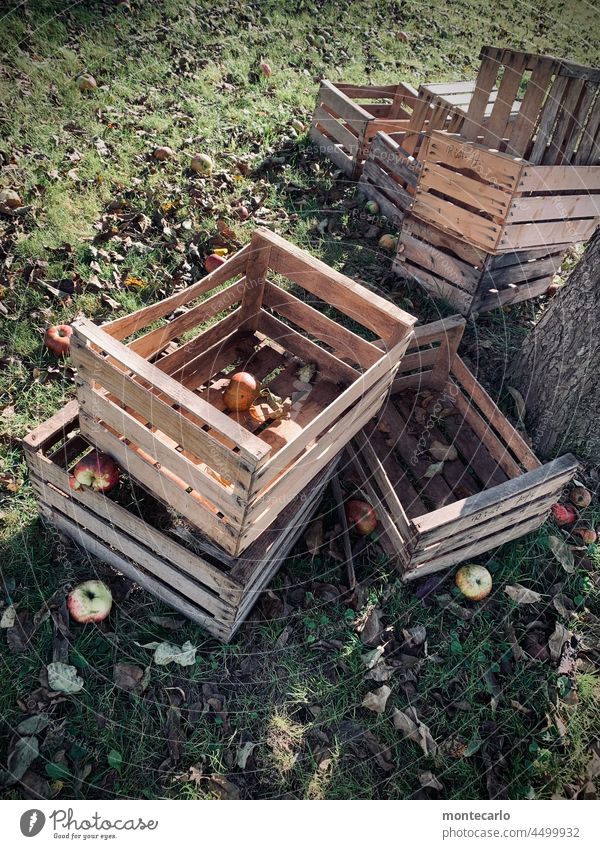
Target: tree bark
[{"x": 558, "y": 367}]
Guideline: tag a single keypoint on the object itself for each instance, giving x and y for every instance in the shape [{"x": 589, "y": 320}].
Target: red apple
[
  {"x": 361, "y": 516},
  {"x": 387, "y": 242},
  {"x": 563, "y": 514},
  {"x": 588, "y": 536},
  {"x": 266, "y": 68},
  {"x": 90, "y": 602},
  {"x": 580, "y": 496},
  {"x": 58, "y": 339},
  {"x": 97, "y": 471},
  {"x": 241, "y": 212},
  {"x": 474, "y": 581},
  {"x": 212, "y": 262},
  {"x": 241, "y": 392}
]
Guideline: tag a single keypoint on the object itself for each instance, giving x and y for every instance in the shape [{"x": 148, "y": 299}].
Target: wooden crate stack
[
  {"x": 498, "y": 202},
  {"x": 152, "y": 398},
  {"x": 491, "y": 489}
]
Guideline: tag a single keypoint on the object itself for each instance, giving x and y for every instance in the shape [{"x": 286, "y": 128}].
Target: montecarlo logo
[{"x": 66, "y": 826}]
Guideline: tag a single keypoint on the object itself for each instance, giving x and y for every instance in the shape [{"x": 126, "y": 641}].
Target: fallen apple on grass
[
  {"x": 9, "y": 199},
  {"x": 265, "y": 68},
  {"x": 58, "y": 339},
  {"x": 563, "y": 514},
  {"x": 90, "y": 602},
  {"x": 474, "y": 581},
  {"x": 588, "y": 536},
  {"x": 163, "y": 153},
  {"x": 213, "y": 261},
  {"x": 372, "y": 207},
  {"x": 86, "y": 82},
  {"x": 361, "y": 516},
  {"x": 241, "y": 392},
  {"x": 387, "y": 242},
  {"x": 580, "y": 496},
  {"x": 97, "y": 471},
  {"x": 202, "y": 164}
]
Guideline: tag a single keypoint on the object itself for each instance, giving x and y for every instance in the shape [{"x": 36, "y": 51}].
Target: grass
[{"x": 291, "y": 685}]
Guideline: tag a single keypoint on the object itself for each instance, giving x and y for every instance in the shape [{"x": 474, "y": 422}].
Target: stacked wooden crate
[
  {"x": 497, "y": 203},
  {"x": 152, "y": 397},
  {"x": 448, "y": 474}
]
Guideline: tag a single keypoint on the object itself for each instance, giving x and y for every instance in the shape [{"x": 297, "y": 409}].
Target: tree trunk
[{"x": 557, "y": 370}]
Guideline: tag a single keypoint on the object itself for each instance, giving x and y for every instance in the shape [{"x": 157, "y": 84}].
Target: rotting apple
[
  {"x": 58, "y": 339},
  {"x": 213, "y": 261},
  {"x": 86, "y": 82},
  {"x": 588, "y": 536},
  {"x": 474, "y": 581},
  {"x": 97, "y": 471},
  {"x": 265, "y": 68},
  {"x": 361, "y": 516},
  {"x": 241, "y": 212},
  {"x": 202, "y": 164},
  {"x": 387, "y": 242},
  {"x": 9, "y": 199},
  {"x": 90, "y": 602},
  {"x": 372, "y": 207},
  {"x": 580, "y": 496},
  {"x": 163, "y": 153},
  {"x": 563, "y": 514},
  {"x": 241, "y": 392}
]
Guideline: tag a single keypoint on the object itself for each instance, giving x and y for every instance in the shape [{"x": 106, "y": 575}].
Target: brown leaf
[
  {"x": 557, "y": 639},
  {"x": 376, "y": 700},
  {"x": 442, "y": 452},
  {"x": 10, "y": 483},
  {"x": 411, "y": 728},
  {"x": 371, "y": 632},
  {"x": 222, "y": 788},
  {"x": 563, "y": 553},
  {"x": 522, "y": 595},
  {"x": 19, "y": 635},
  {"x": 131, "y": 678},
  {"x": 428, "y": 779}
]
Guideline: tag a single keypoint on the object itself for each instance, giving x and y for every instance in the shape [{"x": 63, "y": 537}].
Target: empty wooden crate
[
  {"x": 448, "y": 474},
  {"x": 470, "y": 279},
  {"x": 347, "y": 117},
  {"x": 207, "y": 585},
  {"x": 155, "y": 402}
]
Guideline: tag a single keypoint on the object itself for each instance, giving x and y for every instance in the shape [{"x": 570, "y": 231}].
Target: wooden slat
[
  {"x": 434, "y": 285},
  {"x": 314, "y": 322},
  {"x": 493, "y": 167},
  {"x": 85, "y": 331},
  {"x": 154, "y": 341},
  {"x": 391, "y": 156},
  {"x": 443, "y": 264},
  {"x": 333, "y": 151},
  {"x": 565, "y": 122},
  {"x": 462, "y": 189},
  {"x": 558, "y": 208},
  {"x": 549, "y": 113},
  {"x": 49, "y": 432},
  {"x": 386, "y": 207},
  {"x": 588, "y": 151},
  {"x": 468, "y": 225},
  {"x": 560, "y": 178},
  {"x": 121, "y": 328},
  {"x": 342, "y": 105},
  {"x": 92, "y": 368},
  {"x": 503, "y": 103},
  {"x": 99, "y": 407},
  {"x": 549, "y": 478},
  {"x": 386, "y": 183},
  {"x": 510, "y": 436},
  {"x": 343, "y": 293},
  {"x": 180, "y": 361},
  {"x": 526, "y": 122},
  {"x": 486, "y": 80},
  {"x": 331, "y": 127},
  {"x": 193, "y": 564},
  {"x": 518, "y": 236},
  {"x": 256, "y": 275},
  {"x": 523, "y": 292}
]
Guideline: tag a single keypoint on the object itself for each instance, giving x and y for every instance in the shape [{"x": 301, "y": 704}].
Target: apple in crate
[
  {"x": 212, "y": 262},
  {"x": 361, "y": 517},
  {"x": 241, "y": 392},
  {"x": 474, "y": 581},
  {"x": 58, "y": 339},
  {"x": 97, "y": 471},
  {"x": 90, "y": 602}
]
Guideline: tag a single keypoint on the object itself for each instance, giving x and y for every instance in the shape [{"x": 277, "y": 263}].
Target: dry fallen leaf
[
  {"x": 521, "y": 594},
  {"x": 376, "y": 699},
  {"x": 519, "y": 402},
  {"x": 314, "y": 536},
  {"x": 557, "y": 639},
  {"x": 442, "y": 452},
  {"x": 132, "y": 678},
  {"x": 411, "y": 727},
  {"x": 563, "y": 553}
]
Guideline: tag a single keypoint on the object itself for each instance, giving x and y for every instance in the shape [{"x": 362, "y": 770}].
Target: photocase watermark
[{"x": 66, "y": 827}]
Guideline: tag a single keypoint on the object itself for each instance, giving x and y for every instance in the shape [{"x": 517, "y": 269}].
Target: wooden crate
[
  {"x": 471, "y": 280},
  {"x": 156, "y": 406},
  {"x": 343, "y": 124},
  {"x": 494, "y": 491},
  {"x": 207, "y": 585},
  {"x": 539, "y": 108},
  {"x": 500, "y": 203}
]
